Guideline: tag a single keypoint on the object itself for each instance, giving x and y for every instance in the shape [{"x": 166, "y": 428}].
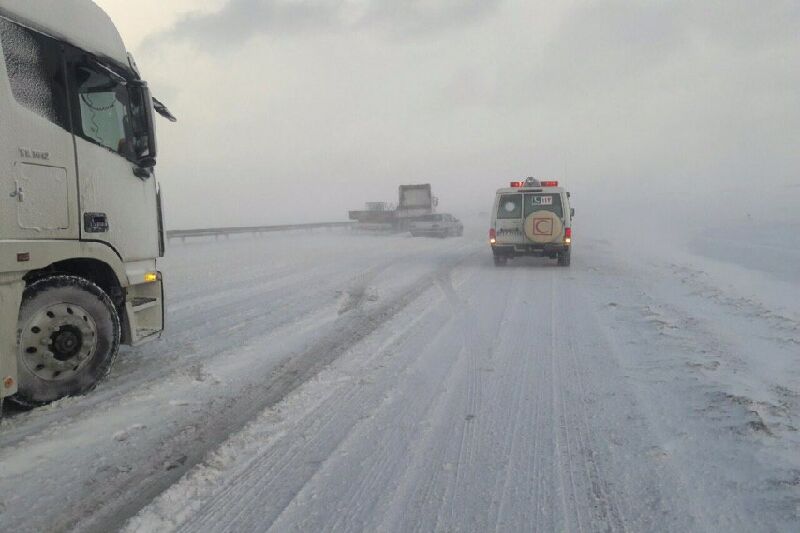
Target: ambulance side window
[
  {"x": 35, "y": 69},
  {"x": 510, "y": 206}
]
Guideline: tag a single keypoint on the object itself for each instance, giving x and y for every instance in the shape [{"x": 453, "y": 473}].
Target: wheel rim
[{"x": 58, "y": 342}]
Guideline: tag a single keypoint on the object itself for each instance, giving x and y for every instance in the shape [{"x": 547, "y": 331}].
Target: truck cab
[
  {"x": 80, "y": 208},
  {"x": 531, "y": 218}
]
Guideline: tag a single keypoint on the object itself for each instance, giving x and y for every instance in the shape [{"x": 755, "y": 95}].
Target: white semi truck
[{"x": 80, "y": 209}]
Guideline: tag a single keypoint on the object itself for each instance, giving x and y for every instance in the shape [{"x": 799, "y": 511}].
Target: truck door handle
[{"x": 95, "y": 222}]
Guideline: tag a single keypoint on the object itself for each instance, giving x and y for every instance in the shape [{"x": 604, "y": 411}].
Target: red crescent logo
[{"x": 542, "y": 226}]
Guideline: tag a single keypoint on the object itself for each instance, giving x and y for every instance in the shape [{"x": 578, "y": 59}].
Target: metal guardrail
[{"x": 255, "y": 230}]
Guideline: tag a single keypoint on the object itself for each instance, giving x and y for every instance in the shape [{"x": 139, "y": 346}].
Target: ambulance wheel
[
  {"x": 69, "y": 334},
  {"x": 564, "y": 258}
]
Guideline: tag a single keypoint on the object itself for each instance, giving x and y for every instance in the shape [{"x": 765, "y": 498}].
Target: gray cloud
[
  {"x": 417, "y": 17},
  {"x": 628, "y": 100},
  {"x": 645, "y": 34},
  {"x": 240, "y": 20}
]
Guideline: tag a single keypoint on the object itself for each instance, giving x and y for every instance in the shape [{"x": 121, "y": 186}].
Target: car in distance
[{"x": 437, "y": 225}]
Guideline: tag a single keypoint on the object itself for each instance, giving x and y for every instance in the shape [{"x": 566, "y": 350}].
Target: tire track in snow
[
  {"x": 125, "y": 500},
  {"x": 408, "y": 506},
  {"x": 458, "y": 503},
  {"x": 473, "y": 393},
  {"x": 405, "y": 412},
  {"x": 387, "y": 463},
  {"x": 516, "y": 438},
  {"x": 566, "y": 365},
  {"x": 230, "y": 506}
]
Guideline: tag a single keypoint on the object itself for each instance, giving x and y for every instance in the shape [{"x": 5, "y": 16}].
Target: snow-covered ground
[{"x": 333, "y": 381}]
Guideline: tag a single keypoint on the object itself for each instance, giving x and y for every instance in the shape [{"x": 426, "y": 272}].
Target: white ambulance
[{"x": 531, "y": 218}]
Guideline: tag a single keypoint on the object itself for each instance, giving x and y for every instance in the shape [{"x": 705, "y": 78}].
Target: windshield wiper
[{"x": 162, "y": 110}]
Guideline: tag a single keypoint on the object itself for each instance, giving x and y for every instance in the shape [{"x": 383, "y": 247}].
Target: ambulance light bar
[{"x": 533, "y": 183}]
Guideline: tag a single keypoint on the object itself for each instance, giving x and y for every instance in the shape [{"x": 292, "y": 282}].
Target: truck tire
[
  {"x": 500, "y": 260},
  {"x": 69, "y": 334},
  {"x": 564, "y": 258}
]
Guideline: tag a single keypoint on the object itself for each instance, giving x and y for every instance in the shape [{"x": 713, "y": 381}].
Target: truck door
[
  {"x": 118, "y": 207},
  {"x": 38, "y": 182}
]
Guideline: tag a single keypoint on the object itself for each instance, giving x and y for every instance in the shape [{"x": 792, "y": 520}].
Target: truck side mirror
[
  {"x": 143, "y": 125},
  {"x": 572, "y": 212}
]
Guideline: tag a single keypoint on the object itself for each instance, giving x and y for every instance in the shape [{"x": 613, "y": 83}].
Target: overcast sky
[{"x": 298, "y": 110}]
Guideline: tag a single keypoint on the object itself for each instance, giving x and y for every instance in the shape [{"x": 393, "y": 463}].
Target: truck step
[{"x": 141, "y": 303}]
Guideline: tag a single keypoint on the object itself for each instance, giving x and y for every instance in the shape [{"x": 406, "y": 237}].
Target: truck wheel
[
  {"x": 564, "y": 258},
  {"x": 69, "y": 335},
  {"x": 500, "y": 260}
]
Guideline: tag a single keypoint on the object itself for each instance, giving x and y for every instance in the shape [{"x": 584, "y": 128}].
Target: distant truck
[
  {"x": 81, "y": 222},
  {"x": 414, "y": 201}
]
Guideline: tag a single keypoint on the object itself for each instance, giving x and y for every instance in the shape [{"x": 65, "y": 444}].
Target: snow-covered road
[{"x": 326, "y": 381}]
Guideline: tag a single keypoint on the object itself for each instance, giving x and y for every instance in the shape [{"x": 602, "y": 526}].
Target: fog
[
  {"x": 680, "y": 113},
  {"x": 634, "y": 368}
]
